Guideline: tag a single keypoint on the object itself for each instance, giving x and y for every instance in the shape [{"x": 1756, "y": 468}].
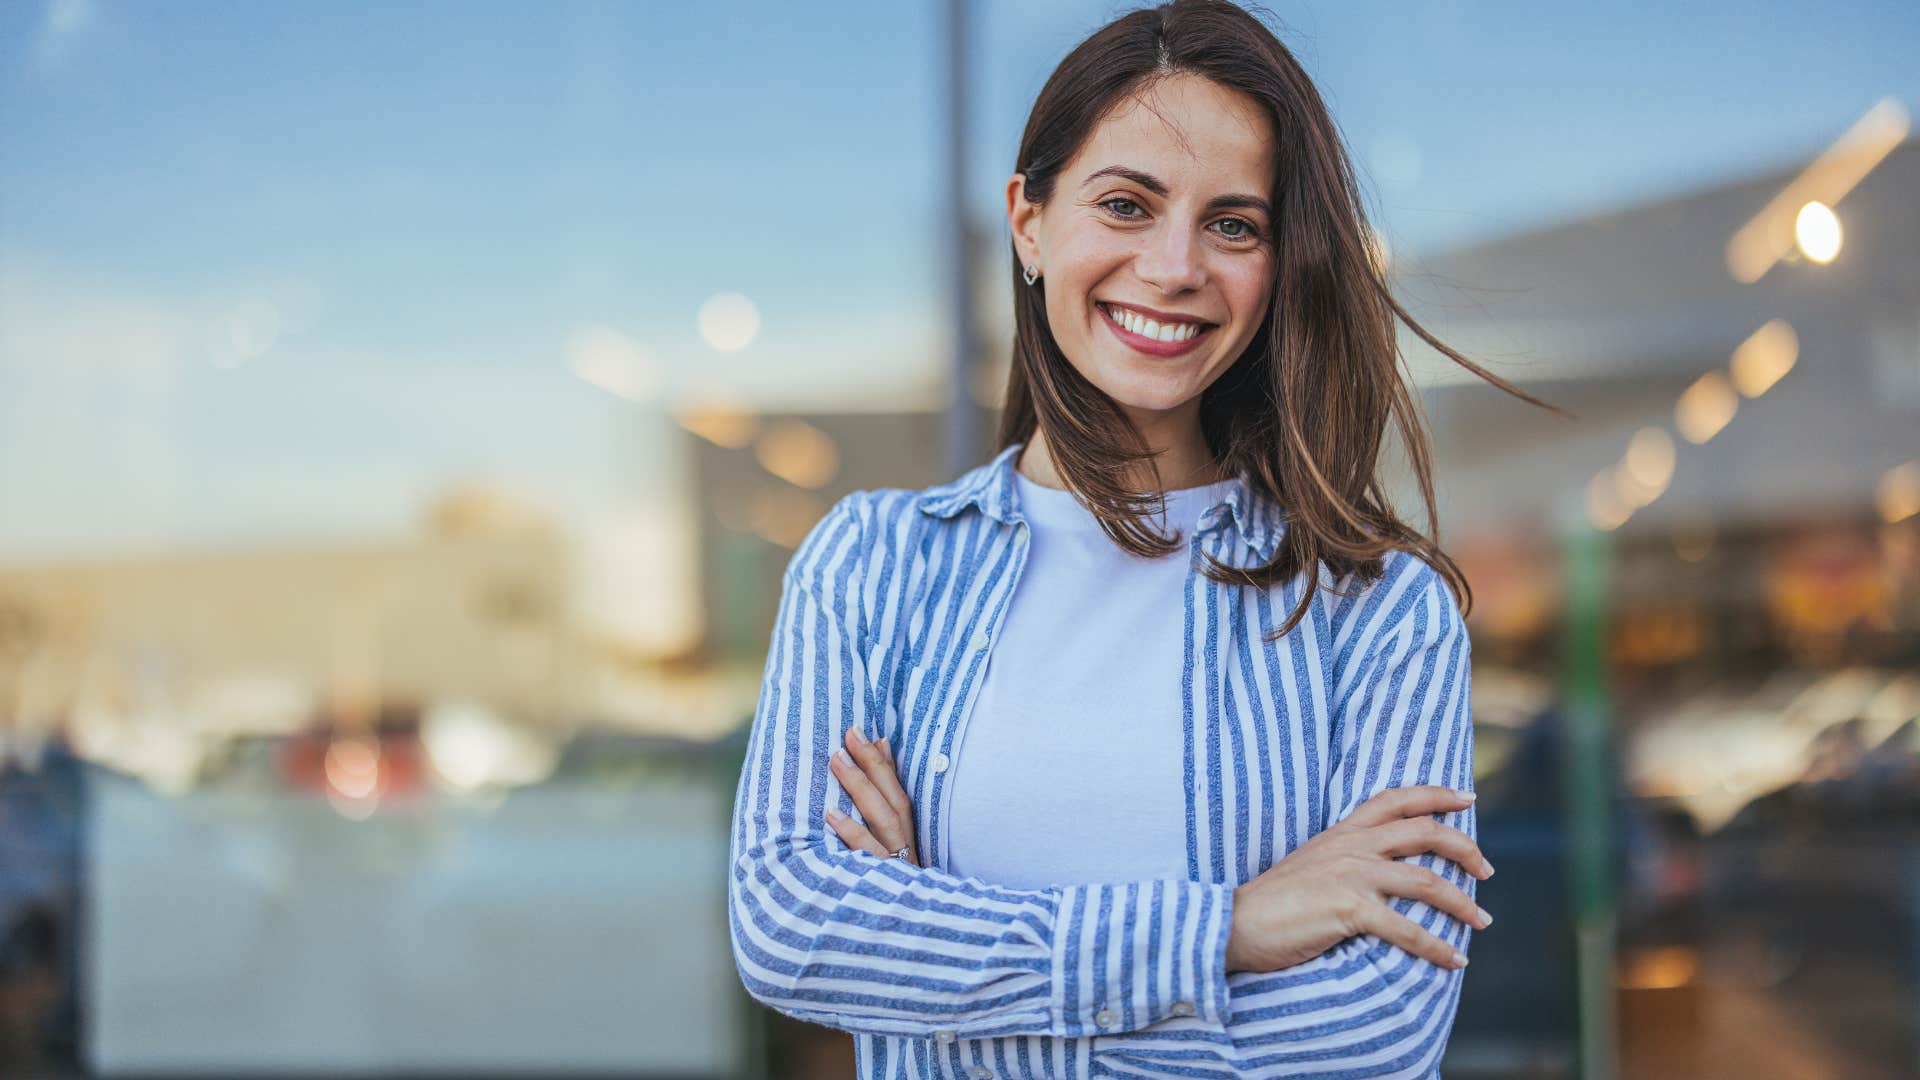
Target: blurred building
[
  {"x": 1812, "y": 371},
  {"x": 763, "y": 480},
  {"x": 151, "y": 661},
  {"x": 251, "y": 794},
  {"x": 1749, "y": 446},
  {"x": 1747, "y": 442}
]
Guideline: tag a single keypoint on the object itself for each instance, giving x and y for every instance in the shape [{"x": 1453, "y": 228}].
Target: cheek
[
  {"x": 1074, "y": 272},
  {"x": 1250, "y": 290},
  {"x": 1077, "y": 277},
  {"x": 1082, "y": 257},
  {"x": 1064, "y": 303}
]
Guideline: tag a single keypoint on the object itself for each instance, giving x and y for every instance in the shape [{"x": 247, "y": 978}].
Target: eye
[
  {"x": 1122, "y": 201},
  {"x": 1248, "y": 230}
]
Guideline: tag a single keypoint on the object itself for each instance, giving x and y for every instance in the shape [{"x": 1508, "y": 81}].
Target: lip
[
  {"x": 1161, "y": 317},
  {"x": 1153, "y": 346}
]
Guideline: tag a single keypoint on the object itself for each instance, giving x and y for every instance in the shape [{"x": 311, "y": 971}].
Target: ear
[{"x": 1023, "y": 218}]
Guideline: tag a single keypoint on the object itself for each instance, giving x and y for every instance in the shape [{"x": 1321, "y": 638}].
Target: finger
[
  {"x": 1394, "y": 803},
  {"x": 1420, "y": 883},
  {"x": 873, "y": 806},
  {"x": 858, "y": 836},
  {"x": 1394, "y": 928},
  {"x": 867, "y": 798},
  {"x": 1413, "y": 836},
  {"x": 855, "y": 835},
  {"x": 877, "y": 760}
]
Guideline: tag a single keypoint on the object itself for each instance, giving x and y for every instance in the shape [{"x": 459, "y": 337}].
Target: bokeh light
[
  {"x": 1817, "y": 231},
  {"x": 1765, "y": 357},
  {"x": 1706, "y": 407},
  {"x": 729, "y": 322}
]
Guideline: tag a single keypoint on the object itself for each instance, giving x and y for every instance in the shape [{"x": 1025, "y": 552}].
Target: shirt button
[
  {"x": 981, "y": 1072},
  {"x": 1105, "y": 1018},
  {"x": 940, "y": 762},
  {"x": 980, "y": 642},
  {"x": 1183, "y": 1008},
  {"x": 944, "y": 1036}
]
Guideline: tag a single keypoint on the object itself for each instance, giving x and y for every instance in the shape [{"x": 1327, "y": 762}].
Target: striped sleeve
[
  {"x": 866, "y": 944},
  {"x": 1403, "y": 718}
]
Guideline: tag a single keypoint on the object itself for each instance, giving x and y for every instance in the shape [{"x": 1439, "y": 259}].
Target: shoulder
[
  {"x": 895, "y": 513},
  {"x": 1405, "y": 572},
  {"x": 1428, "y": 612},
  {"x": 835, "y": 543},
  {"x": 874, "y": 522},
  {"x": 855, "y": 527},
  {"x": 1410, "y": 602}
]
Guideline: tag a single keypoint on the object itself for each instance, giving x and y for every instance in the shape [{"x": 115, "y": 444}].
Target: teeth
[{"x": 1145, "y": 327}]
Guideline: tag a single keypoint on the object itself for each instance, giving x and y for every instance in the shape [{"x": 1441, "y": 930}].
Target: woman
[{"x": 1185, "y": 808}]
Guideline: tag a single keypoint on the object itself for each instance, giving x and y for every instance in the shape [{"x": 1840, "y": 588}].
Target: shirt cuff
[{"x": 1129, "y": 955}]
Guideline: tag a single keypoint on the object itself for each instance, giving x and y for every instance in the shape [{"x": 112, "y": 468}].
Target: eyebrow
[{"x": 1153, "y": 184}]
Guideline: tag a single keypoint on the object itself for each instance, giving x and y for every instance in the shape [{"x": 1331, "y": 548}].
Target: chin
[{"x": 1148, "y": 394}]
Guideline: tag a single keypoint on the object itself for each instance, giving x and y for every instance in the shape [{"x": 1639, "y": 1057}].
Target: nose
[{"x": 1171, "y": 260}]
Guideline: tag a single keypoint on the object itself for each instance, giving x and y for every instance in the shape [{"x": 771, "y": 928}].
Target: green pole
[{"x": 1586, "y": 767}]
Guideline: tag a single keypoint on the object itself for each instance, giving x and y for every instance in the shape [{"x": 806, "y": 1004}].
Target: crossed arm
[{"x": 835, "y": 934}]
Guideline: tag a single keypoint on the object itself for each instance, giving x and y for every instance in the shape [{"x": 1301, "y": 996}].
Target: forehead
[{"x": 1199, "y": 137}]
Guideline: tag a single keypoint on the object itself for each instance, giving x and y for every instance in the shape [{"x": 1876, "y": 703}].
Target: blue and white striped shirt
[{"x": 887, "y": 615}]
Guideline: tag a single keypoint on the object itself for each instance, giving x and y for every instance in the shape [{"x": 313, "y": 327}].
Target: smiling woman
[
  {"x": 1114, "y": 796},
  {"x": 1158, "y": 209}
]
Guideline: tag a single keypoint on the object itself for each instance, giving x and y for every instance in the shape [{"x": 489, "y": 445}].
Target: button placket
[{"x": 979, "y": 643}]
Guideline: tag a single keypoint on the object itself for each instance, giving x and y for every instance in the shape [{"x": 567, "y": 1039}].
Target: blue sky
[{"x": 414, "y": 211}]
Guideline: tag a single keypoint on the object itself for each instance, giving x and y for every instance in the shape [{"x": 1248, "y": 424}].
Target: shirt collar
[{"x": 991, "y": 488}]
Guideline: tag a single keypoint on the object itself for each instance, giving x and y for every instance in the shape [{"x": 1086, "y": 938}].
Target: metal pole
[
  {"x": 961, "y": 434},
  {"x": 1587, "y": 766}
]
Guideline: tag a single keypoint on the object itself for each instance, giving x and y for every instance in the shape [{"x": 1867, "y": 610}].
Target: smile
[{"x": 1142, "y": 334}]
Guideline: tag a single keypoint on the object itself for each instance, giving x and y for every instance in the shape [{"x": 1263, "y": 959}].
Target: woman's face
[{"x": 1162, "y": 216}]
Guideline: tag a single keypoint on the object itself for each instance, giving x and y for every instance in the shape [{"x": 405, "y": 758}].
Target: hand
[
  {"x": 1334, "y": 886},
  {"x": 877, "y": 794}
]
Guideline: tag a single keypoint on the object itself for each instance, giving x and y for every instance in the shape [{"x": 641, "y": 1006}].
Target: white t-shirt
[{"x": 1071, "y": 769}]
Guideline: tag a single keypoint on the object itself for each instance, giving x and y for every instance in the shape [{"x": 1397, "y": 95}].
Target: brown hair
[{"x": 1303, "y": 411}]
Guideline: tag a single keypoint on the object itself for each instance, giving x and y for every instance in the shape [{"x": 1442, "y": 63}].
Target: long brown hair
[{"x": 1303, "y": 411}]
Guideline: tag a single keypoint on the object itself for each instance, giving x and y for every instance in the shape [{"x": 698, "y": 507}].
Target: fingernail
[
  {"x": 1468, "y": 795},
  {"x": 845, "y": 758},
  {"x": 1486, "y": 919},
  {"x": 1486, "y": 867},
  {"x": 835, "y": 815},
  {"x": 858, "y": 737},
  {"x": 1459, "y": 958}
]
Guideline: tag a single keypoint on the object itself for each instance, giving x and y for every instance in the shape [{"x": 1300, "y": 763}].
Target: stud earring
[{"x": 1033, "y": 274}]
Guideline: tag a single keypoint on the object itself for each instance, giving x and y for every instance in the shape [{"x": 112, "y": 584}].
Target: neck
[{"x": 1183, "y": 464}]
